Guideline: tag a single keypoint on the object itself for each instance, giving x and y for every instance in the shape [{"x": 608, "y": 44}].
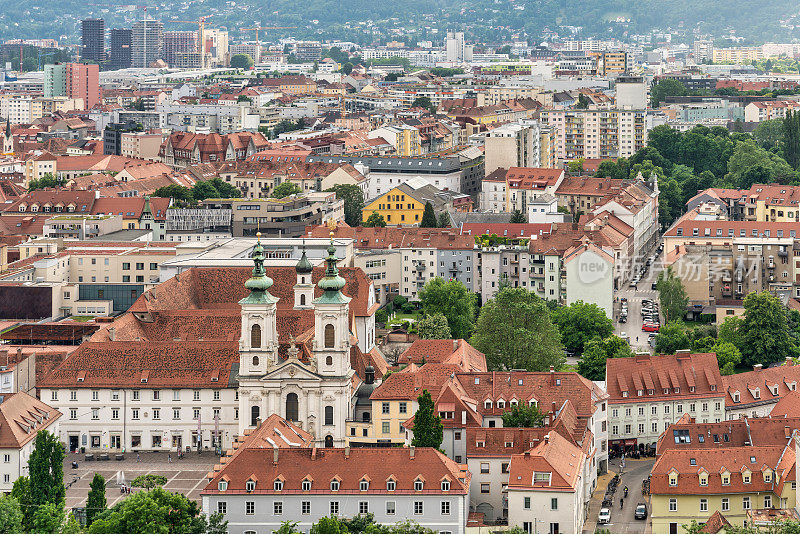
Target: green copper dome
[
  {"x": 259, "y": 283},
  {"x": 332, "y": 283},
  {"x": 304, "y": 266}
]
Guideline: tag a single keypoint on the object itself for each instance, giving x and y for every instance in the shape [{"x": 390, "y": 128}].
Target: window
[
  {"x": 95, "y": 395},
  {"x": 363, "y": 507},
  {"x": 176, "y": 413},
  {"x": 418, "y": 485},
  {"x": 445, "y": 485},
  {"x": 255, "y": 336},
  {"x": 363, "y": 485},
  {"x": 250, "y": 507},
  {"x": 73, "y": 395},
  {"x": 526, "y": 503},
  {"x": 156, "y": 395},
  {"x": 484, "y": 467},
  {"x": 330, "y": 336},
  {"x": 726, "y": 505},
  {"x": 390, "y": 507},
  {"x": 156, "y": 414},
  {"x": 222, "y": 485},
  {"x": 328, "y": 415},
  {"x": 95, "y": 414},
  {"x": 745, "y": 503},
  {"x": 403, "y": 407},
  {"x": 277, "y": 508},
  {"x": 115, "y": 413},
  {"x": 554, "y": 503},
  {"x": 767, "y": 501},
  {"x": 417, "y": 507},
  {"x": 222, "y": 507},
  {"x": 445, "y": 507},
  {"x": 673, "y": 505},
  {"x": 485, "y": 487},
  {"x": 334, "y": 507},
  {"x": 334, "y": 485},
  {"x": 704, "y": 505},
  {"x": 135, "y": 413},
  {"x": 306, "y": 485},
  {"x": 277, "y": 485},
  {"x": 305, "y": 507},
  {"x": 384, "y": 407}
]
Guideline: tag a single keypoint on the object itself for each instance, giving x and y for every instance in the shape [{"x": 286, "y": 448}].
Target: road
[
  {"x": 622, "y": 520},
  {"x": 633, "y": 326}
]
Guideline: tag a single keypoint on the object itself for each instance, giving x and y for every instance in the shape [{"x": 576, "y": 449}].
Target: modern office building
[
  {"x": 147, "y": 42},
  {"x": 93, "y": 40},
  {"x": 119, "y": 50}
]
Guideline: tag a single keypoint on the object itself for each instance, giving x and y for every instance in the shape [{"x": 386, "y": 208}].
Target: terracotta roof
[
  {"x": 273, "y": 432},
  {"x": 589, "y": 186},
  {"x": 21, "y": 418},
  {"x": 456, "y": 352},
  {"x": 770, "y": 384},
  {"x": 555, "y": 455},
  {"x": 188, "y": 364},
  {"x": 81, "y": 200},
  {"x": 788, "y": 406},
  {"x": 715, "y": 523},
  {"x": 131, "y": 207},
  {"x": 687, "y": 433},
  {"x": 510, "y": 230},
  {"x": 348, "y": 466},
  {"x": 673, "y": 377},
  {"x": 532, "y": 178}
]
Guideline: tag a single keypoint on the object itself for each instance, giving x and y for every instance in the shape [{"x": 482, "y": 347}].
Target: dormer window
[
  {"x": 775, "y": 390},
  {"x": 487, "y": 404},
  {"x": 513, "y": 402},
  {"x": 306, "y": 485},
  {"x": 757, "y": 394},
  {"x": 746, "y": 478},
  {"x": 501, "y": 404},
  {"x": 250, "y": 485},
  {"x": 278, "y": 485},
  {"x": 726, "y": 479},
  {"x": 222, "y": 485},
  {"x": 625, "y": 394},
  {"x": 334, "y": 485},
  {"x": 363, "y": 485},
  {"x": 673, "y": 479},
  {"x": 391, "y": 485},
  {"x": 638, "y": 392},
  {"x": 704, "y": 479},
  {"x": 480, "y": 444},
  {"x": 418, "y": 485},
  {"x": 691, "y": 389},
  {"x": 445, "y": 485},
  {"x": 736, "y": 397},
  {"x": 677, "y": 390}
]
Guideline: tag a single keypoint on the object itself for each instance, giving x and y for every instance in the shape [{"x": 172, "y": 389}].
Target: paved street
[
  {"x": 622, "y": 521},
  {"x": 633, "y": 326},
  {"x": 187, "y": 476}
]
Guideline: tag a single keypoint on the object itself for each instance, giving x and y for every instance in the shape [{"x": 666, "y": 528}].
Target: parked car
[
  {"x": 623, "y": 335},
  {"x": 604, "y": 517},
  {"x": 654, "y": 286},
  {"x": 650, "y": 327},
  {"x": 623, "y": 318},
  {"x": 641, "y": 511}
]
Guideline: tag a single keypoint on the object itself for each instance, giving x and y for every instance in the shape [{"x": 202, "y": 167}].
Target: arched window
[
  {"x": 330, "y": 336},
  {"x": 255, "y": 415},
  {"x": 255, "y": 361},
  {"x": 302, "y": 300},
  {"x": 292, "y": 407},
  {"x": 328, "y": 415},
  {"x": 255, "y": 336},
  {"x": 329, "y": 360},
  {"x": 329, "y": 444}
]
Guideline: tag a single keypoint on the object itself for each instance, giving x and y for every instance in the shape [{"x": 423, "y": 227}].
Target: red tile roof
[
  {"x": 556, "y": 455},
  {"x": 348, "y": 466},
  {"x": 715, "y": 523},
  {"x": 456, "y": 352},
  {"x": 21, "y": 418},
  {"x": 771, "y": 384}
]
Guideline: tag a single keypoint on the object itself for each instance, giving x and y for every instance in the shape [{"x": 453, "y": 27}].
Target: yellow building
[
  {"x": 734, "y": 467},
  {"x": 386, "y": 424},
  {"x": 737, "y": 54},
  {"x": 405, "y": 139},
  {"x": 398, "y": 206}
]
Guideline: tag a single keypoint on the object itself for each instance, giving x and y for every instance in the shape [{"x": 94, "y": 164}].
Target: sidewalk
[{"x": 595, "y": 503}]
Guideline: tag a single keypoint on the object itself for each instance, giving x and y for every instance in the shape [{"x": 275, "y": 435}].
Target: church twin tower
[{"x": 278, "y": 376}]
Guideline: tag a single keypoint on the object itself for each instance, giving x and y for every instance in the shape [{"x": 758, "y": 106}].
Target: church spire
[
  {"x": 332, "y": 283},
  {"x": 259, "y": 283}
]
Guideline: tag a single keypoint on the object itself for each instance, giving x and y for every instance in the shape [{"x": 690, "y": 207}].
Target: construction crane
[
  {"x": 258, "y": 43},
  {"x": 201, "y": 42}
]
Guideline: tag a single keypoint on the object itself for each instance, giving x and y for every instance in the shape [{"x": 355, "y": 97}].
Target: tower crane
[{"x": 258, "y": 43}]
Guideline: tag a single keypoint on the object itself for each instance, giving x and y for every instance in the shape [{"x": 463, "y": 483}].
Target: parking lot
[
  {"x": 632, "y": 328},
  {"x": 187, "y": 475},
  {"x": 622, "y": 519}
]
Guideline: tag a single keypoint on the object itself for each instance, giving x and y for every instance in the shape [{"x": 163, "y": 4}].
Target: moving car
[
  {"x": 650, "y": 327},
  {"x": 604, "y": 517},
  {"x": 641, "y": 511}
]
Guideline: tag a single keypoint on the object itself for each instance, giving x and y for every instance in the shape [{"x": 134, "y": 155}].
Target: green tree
[
  {"x": 433, "y": 327},
  {"x": 453, "y": 300},
  {"x": 175, "y": 192},
  {"x": 576, "y": 166},
  {"x": 46, "y": 469},
  {"x": 96, "y": 502},
  {"x": 21, "y": 492},
  {"x": 791, "y": 139},
  {"x": 523, "y": 415},
  {"x": 583, "y": 102},
  {"x": 728, "y": 357},
  {"x": 746, "y": 156},
  {"x": 671, "y": 338},
  {"x": 517, "y": 217},
  {"x": 664, "y": 88},
  {"x": 428, "y": 431},
  {"x": 10, "y": 516},
  {"x": 287, "y": 527},
  {"x": 241, "y": 61},
  {"x": 769, "y": 134},
  {"x": 244, "y": 98},
  {"x": 592, "y": 364},
  {"x": 428, "y": 217},
  {"x": 353, "y": 198},
  {"x": 514, "y": 331},
  {"x": 203, "y": 190},
  {"x": 423, "y": 102},
  {"x": 47, "y": 180},
  {"x": 579, "y": 322},
  {"x": 375, "y": 219},
  {"x": 224, "y": 189},
  {"x": 672, "y": 295},
  {"x": 765, "y": 331},
  {"x": 730, "y": 331},
  {"x": 285, "y": 189},
  {"x": 151, "y": 512},
  {"x": 48, "y": 518},
  {"x": 347, "y": 68},
  {"x": 328, "y": 525},
  {"x": 444, "y": 220}
]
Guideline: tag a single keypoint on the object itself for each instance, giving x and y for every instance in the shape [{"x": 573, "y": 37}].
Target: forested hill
[{"x": 363, "y": 21}]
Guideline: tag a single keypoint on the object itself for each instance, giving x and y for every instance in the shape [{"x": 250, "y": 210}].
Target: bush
[
  {"x": 399, "y": 301},
  {"x": 148, "y": 481},
  {"x": 381, "y": 316},
  {"x": 408, "y": 308}
]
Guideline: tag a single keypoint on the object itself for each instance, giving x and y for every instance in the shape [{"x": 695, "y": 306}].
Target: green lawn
[{"x": 400, "y": 317}]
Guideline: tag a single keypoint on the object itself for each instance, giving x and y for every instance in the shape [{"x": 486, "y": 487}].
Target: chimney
[
  {"x": 275, "y": 456},
  {"x": 313, "y": 452},
  {"x": 787, "y": 432},
  {"x": 547, "y": 438},
  {"x": 411, "y": 452},
  {"x": 552, "y": 369},
  {"x": 347, "y": 452},
  {"x": 757, "y": 367},
  {"x": 554, "y": 408},
  {"x": 112, "y": 334},
  {"x": 789, "y": 361}
]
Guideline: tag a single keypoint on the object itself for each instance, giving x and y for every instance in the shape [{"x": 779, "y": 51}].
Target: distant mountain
[{"x": 365, "y": 20}]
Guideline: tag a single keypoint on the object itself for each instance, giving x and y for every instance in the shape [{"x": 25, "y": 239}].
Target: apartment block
[{"x": 597, "y": 133}]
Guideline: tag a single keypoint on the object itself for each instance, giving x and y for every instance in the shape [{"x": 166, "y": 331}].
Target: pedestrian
[
  {"x": 138, "y": 458},
  {"x": 169, "y": 458}
]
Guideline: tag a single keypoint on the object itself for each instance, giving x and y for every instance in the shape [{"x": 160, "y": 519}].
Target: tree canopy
[
  {"x": 96, "y": 501},
  {"x": 664, "y": 88},
  {"x": 241, "y": 61},
  {"x": 433, "y": 327},
  {"x": 765, "y": 334},
  {"x": 353, "y": 198},
  {"x": 672, "y": 295},
  {"x": 375, "y": 219},
  {"x": 428, "y": 217},
  {"x": 596, "y": 351},
  {"x": 285, "y": 189},
  {"x": 523, "y": 415},
  {"x": 46, "y": 470},
  {"x": 514, "y": 331},
  {"x": 453, "y": 300},
  {"x": 428, "y": 430},
  {"x": 579, "y": 322}
]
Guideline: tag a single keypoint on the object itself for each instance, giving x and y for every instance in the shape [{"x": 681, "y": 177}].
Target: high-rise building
[
  {"x": 515, "y": 144},
  {"x": 216, "y": 46},
  {"x": 73, "y": 80},
  {"x": 703, "y": 50},
  {"x": 147, "y": 42},
  {"x": 181, "y": 49},
  {"x": 119, "y": 50},
  {"x": 456, "y": 49},
  {"x": 631, "y": 92},
  {"x": 93, "y": 40}
]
